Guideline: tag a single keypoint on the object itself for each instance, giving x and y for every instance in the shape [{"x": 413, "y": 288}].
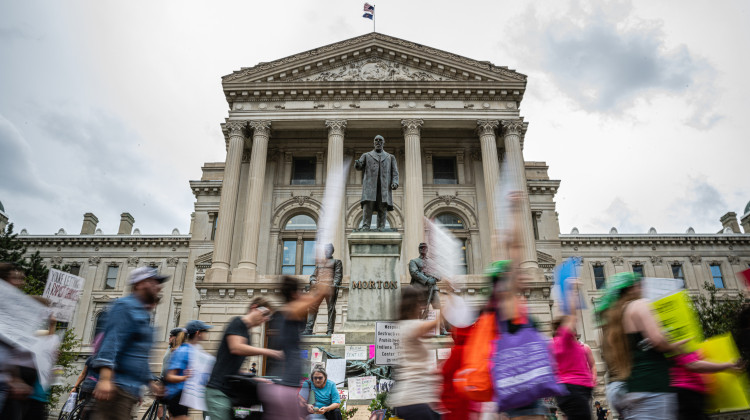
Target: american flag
[{"x": 369, "y": 8}]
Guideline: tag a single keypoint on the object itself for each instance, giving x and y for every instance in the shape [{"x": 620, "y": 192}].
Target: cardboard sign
[
  {"x": 362, "y": 388},
  {"x": 63, "y": 291},
  {"x": 654, "y": 289},
  {"x": 338, "y": 339},
  {"x": 387, "y": 337},
  {"x": 194, "y": 391},
  {"x": 336, "y": 369},
  {"x": 677, "y": 316},
  {"x": 432, "y": 315},
  {"x": 317, "y": 356},
  {"x": 356, "y": 353},
  {"x": 444, "y": 353},
  {"x": 728, "y": 390}
]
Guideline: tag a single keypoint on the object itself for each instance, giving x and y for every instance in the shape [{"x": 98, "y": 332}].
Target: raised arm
[{"x": 238, "y": 346}]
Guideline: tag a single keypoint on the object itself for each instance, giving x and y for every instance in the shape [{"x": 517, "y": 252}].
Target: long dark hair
[
  {"x": 289, "y": 287},
  {"x": 409, "y": 305}
]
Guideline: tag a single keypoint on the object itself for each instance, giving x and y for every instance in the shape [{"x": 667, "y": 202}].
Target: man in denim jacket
[{"x": 123, "y": 358}]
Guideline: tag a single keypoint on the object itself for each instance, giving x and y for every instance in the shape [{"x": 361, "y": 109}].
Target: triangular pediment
[{"x": 373, "y": 57}]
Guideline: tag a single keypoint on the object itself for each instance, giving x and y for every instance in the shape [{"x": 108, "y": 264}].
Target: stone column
[
  {"x": 246, "y": 269},
  {"x": 413, "y": 197},
  {"x": 219, "y": 271},
  {"x": 517, "y": 170},
  {"x": 334, "y": 165},
  {"x": 491, "y": 171}
]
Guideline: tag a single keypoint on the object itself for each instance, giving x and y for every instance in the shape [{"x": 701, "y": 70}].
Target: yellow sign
[
  {"x": 728, "y": 390},
  {"x": 679, "y": 319}
]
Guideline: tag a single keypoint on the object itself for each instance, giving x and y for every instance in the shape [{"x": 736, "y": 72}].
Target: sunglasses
[{"x": 318, "y": 378}]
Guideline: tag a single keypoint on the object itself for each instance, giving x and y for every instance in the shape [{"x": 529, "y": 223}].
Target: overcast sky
[{"x": 640, "y": 108}]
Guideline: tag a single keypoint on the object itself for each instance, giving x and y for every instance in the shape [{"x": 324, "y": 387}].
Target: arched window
[
  {"x": 298, "y": 245},
  {"x": 456, "y": 225}
]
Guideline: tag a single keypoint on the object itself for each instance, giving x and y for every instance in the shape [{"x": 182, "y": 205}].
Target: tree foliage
[{"x": 718, "y": 314}]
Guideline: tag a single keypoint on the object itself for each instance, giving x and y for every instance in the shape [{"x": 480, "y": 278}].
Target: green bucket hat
[
  {"x": 613, "y": 289},
  {"x": 497, "y": 269}
]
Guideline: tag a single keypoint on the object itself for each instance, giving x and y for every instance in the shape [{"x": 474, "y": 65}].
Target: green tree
[
  {"x": 718, "y": 314},
  {"x": 11, "y": 249}
]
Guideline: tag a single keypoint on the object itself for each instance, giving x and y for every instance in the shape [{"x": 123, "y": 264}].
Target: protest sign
[
  {"x": 371, "y": 351},
  {"x": 317, "y": 356},
  {"x": 387, "y": 338},
  {"x": 63, "y": 291},
  {"x": 444, "y": 353},
  {"x": 338, "y": 339},
  {"x": 194, "y": 391},
  {"x": 654, "y": 289},
  {"x": 432, "y": 315},
  {"x": 356, "y": 353},
  {"x": 336, "y": 369},
  {"x": 677, "y": 316},
  {"x": 362, "y": 388},
  {"x": 727, "y": 390},
  {"x": 45, "y": 357},
  {"x": 21, "y": 317}
]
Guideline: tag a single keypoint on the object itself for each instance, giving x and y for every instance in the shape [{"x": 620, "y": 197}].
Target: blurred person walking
[
  {"x": 179, "y": 370},
  {"x": 123, "y": 359},
  {"x": 633, "y": 347},
  {"x": 574, "y": 368},
  {"x": 233, "y": 349},
  {"x": 281, "y": 400},
  {"x": 415, "y": 392},
  {"x": 691, "y": 388}
]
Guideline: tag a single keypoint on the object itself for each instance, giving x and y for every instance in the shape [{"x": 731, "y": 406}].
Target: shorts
[{"x": 174, "y": 407}]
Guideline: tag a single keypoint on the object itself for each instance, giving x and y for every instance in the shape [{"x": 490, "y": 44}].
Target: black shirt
[
  {"x": 601, "y": 413},
  {"x": 226, "y": 362}
]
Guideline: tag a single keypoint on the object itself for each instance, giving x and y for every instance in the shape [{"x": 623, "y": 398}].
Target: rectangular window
[
  {"x": 716, "y": 274},
  {"x": 75, "y": 269},
  {"x": 111, "y": 282},
  {"x": 599, "y": 276},
  {"x": 444, "y": 170},
  {"x": 677, "y": 273},
  {"x": 303, "y": 171},
  {"x": 308, "y": 257},
  {"x": 463, "y": 265},
  {"x": 638, "y": 269},
  {"x": 536, "y": 225},
  {"x": 214, "y": 225},
  {"x": 289, "y": 258}
]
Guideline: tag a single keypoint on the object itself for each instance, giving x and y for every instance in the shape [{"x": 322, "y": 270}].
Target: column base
[
  {"x": 243, "y": 275},
  {"x": 217, "y": 275}
]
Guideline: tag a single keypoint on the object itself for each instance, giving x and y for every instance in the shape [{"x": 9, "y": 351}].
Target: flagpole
[{"x": 373, "y": 20}]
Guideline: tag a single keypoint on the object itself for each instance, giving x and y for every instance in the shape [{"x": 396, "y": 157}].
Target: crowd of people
[{"x": 648, "y": 375}]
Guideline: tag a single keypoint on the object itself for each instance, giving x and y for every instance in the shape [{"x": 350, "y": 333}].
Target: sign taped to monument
[
  {"x": 63, "y": 291},
  {"x": 387, "y": 337}
]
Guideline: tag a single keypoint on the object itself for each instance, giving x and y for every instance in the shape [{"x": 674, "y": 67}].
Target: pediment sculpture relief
[{"x": 374, "y": 69}]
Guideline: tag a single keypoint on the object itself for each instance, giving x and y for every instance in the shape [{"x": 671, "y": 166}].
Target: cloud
[
  {"x": 703, "y": 204},
  {"x": 605, "y": 59},
  {"x": 19, "y": 172},
  {"x": 620, "y": 216}
]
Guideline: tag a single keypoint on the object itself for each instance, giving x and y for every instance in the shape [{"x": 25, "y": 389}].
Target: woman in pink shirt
[
  {"x": 686, "y": 379},
  {"x": 574, "y": 367}
]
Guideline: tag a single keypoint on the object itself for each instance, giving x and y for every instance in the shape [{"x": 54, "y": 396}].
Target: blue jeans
[{"x": 649, "y": 406}]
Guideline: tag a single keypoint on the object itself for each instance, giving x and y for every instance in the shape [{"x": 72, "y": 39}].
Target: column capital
[
  {"x": 235, "y": 128},
  {"x": 261, "y": 127},
  {"x": 412, "y": 126},
  {"x": 487, "y": 126},
  {"x": 336, "y": 126},
  {"x": 513, "y": 127}
]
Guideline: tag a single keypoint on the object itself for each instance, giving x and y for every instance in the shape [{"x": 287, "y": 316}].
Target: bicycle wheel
[
  {"x": 77, "y": 412},
  {"x": 151, "y": 412}
]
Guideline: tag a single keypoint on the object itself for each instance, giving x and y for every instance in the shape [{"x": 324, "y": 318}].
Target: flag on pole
[{"x": 369, "y": 11}]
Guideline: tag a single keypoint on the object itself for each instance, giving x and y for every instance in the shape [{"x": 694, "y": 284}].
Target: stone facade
[{"x": 453, "y": 124}]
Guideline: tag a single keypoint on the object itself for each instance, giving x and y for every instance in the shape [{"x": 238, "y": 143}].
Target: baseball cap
[
  {"x": 196, "y": 325},
  {"x": 144, "y": 273}
]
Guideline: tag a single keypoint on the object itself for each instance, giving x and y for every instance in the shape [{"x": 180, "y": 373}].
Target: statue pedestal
[{"x": 374, "y": 287}]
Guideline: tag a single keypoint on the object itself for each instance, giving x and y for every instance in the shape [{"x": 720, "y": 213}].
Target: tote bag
[{"x": 472, "y": 380}]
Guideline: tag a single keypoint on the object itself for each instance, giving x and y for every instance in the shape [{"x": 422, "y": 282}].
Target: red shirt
[{"x": 572, "y": 364}]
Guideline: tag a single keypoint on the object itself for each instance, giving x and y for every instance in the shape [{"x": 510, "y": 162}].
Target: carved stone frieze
[
  {"x": 656, "y": 259},
  {"x": 733, "y": 259},
  {"x": 300, "y": 199},
  {"x": 448, "y": 199},
  {"x": 56, "y": 260},
  {"x": 133, "y": 261},
  {"x": 695, "y": 259},
  {"x": 172, "y": 261},
  {"x": 617, "y": 260},
  {"x": 374, "y": 70},
  {"x": 94, "y": 260}
]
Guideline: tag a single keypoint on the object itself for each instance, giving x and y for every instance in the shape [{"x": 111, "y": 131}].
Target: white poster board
[
  {"x": 432, "y": 315},
  {"x": 338, "y": 339},
  {"x": 655, "y": 289},
  {"x": 387, "y": 336},
  {"x": 194, "y": 391},
  {"x": 21, "y": 317},
  {"x": 356, "y": 353},
  {"x": 63, "y": 291},
  {"x": 362, "y": 388},
  {"x": 317, "y": 356},
  {"x": 443, "y": 353},
  {"x": 336, "y": 369}
]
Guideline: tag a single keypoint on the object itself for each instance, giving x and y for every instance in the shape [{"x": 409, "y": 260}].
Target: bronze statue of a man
[
  {"x": 330, "y": 271},
  {"x": 379, "y": 177},
  {"x": 426, "y": 283}
]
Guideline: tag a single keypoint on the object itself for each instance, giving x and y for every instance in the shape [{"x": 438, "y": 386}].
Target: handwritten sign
[
  {"x": 371, "y": 351},
  {"x": 356, "y": 353},
  {"x": 194, "y": 391},
  {"x": 362, "y": 388},
  {"x": 20, "y": 316},
  {"x": 679, "y": 320},
  {"x": 338, "y": 339},
  {"x": 387, "y": 337},
  {"x": 317, "y": 356},
  {"x": 432, "y": 315},
  {"x": 63, "y": 291},
  {"x": 336, "y": 369},
  {"x": 443, "y": 353}
]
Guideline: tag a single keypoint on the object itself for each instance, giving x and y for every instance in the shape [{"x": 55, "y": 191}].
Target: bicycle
[
  {"x": 153, "y": 412},
  {"x": 77, "y": 412}
]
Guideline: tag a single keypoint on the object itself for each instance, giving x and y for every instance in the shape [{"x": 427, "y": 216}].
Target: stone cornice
[
  {"x": 543, "y": 186},
  {"x": 205, "y": 187},
  {"x": 597, "y": 240},
  {"x": 373, "y": 45},
  {"x": 113, "y": 241}
]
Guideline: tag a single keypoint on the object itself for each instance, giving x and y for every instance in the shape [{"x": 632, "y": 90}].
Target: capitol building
[{"x": 453, "y": 123}]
